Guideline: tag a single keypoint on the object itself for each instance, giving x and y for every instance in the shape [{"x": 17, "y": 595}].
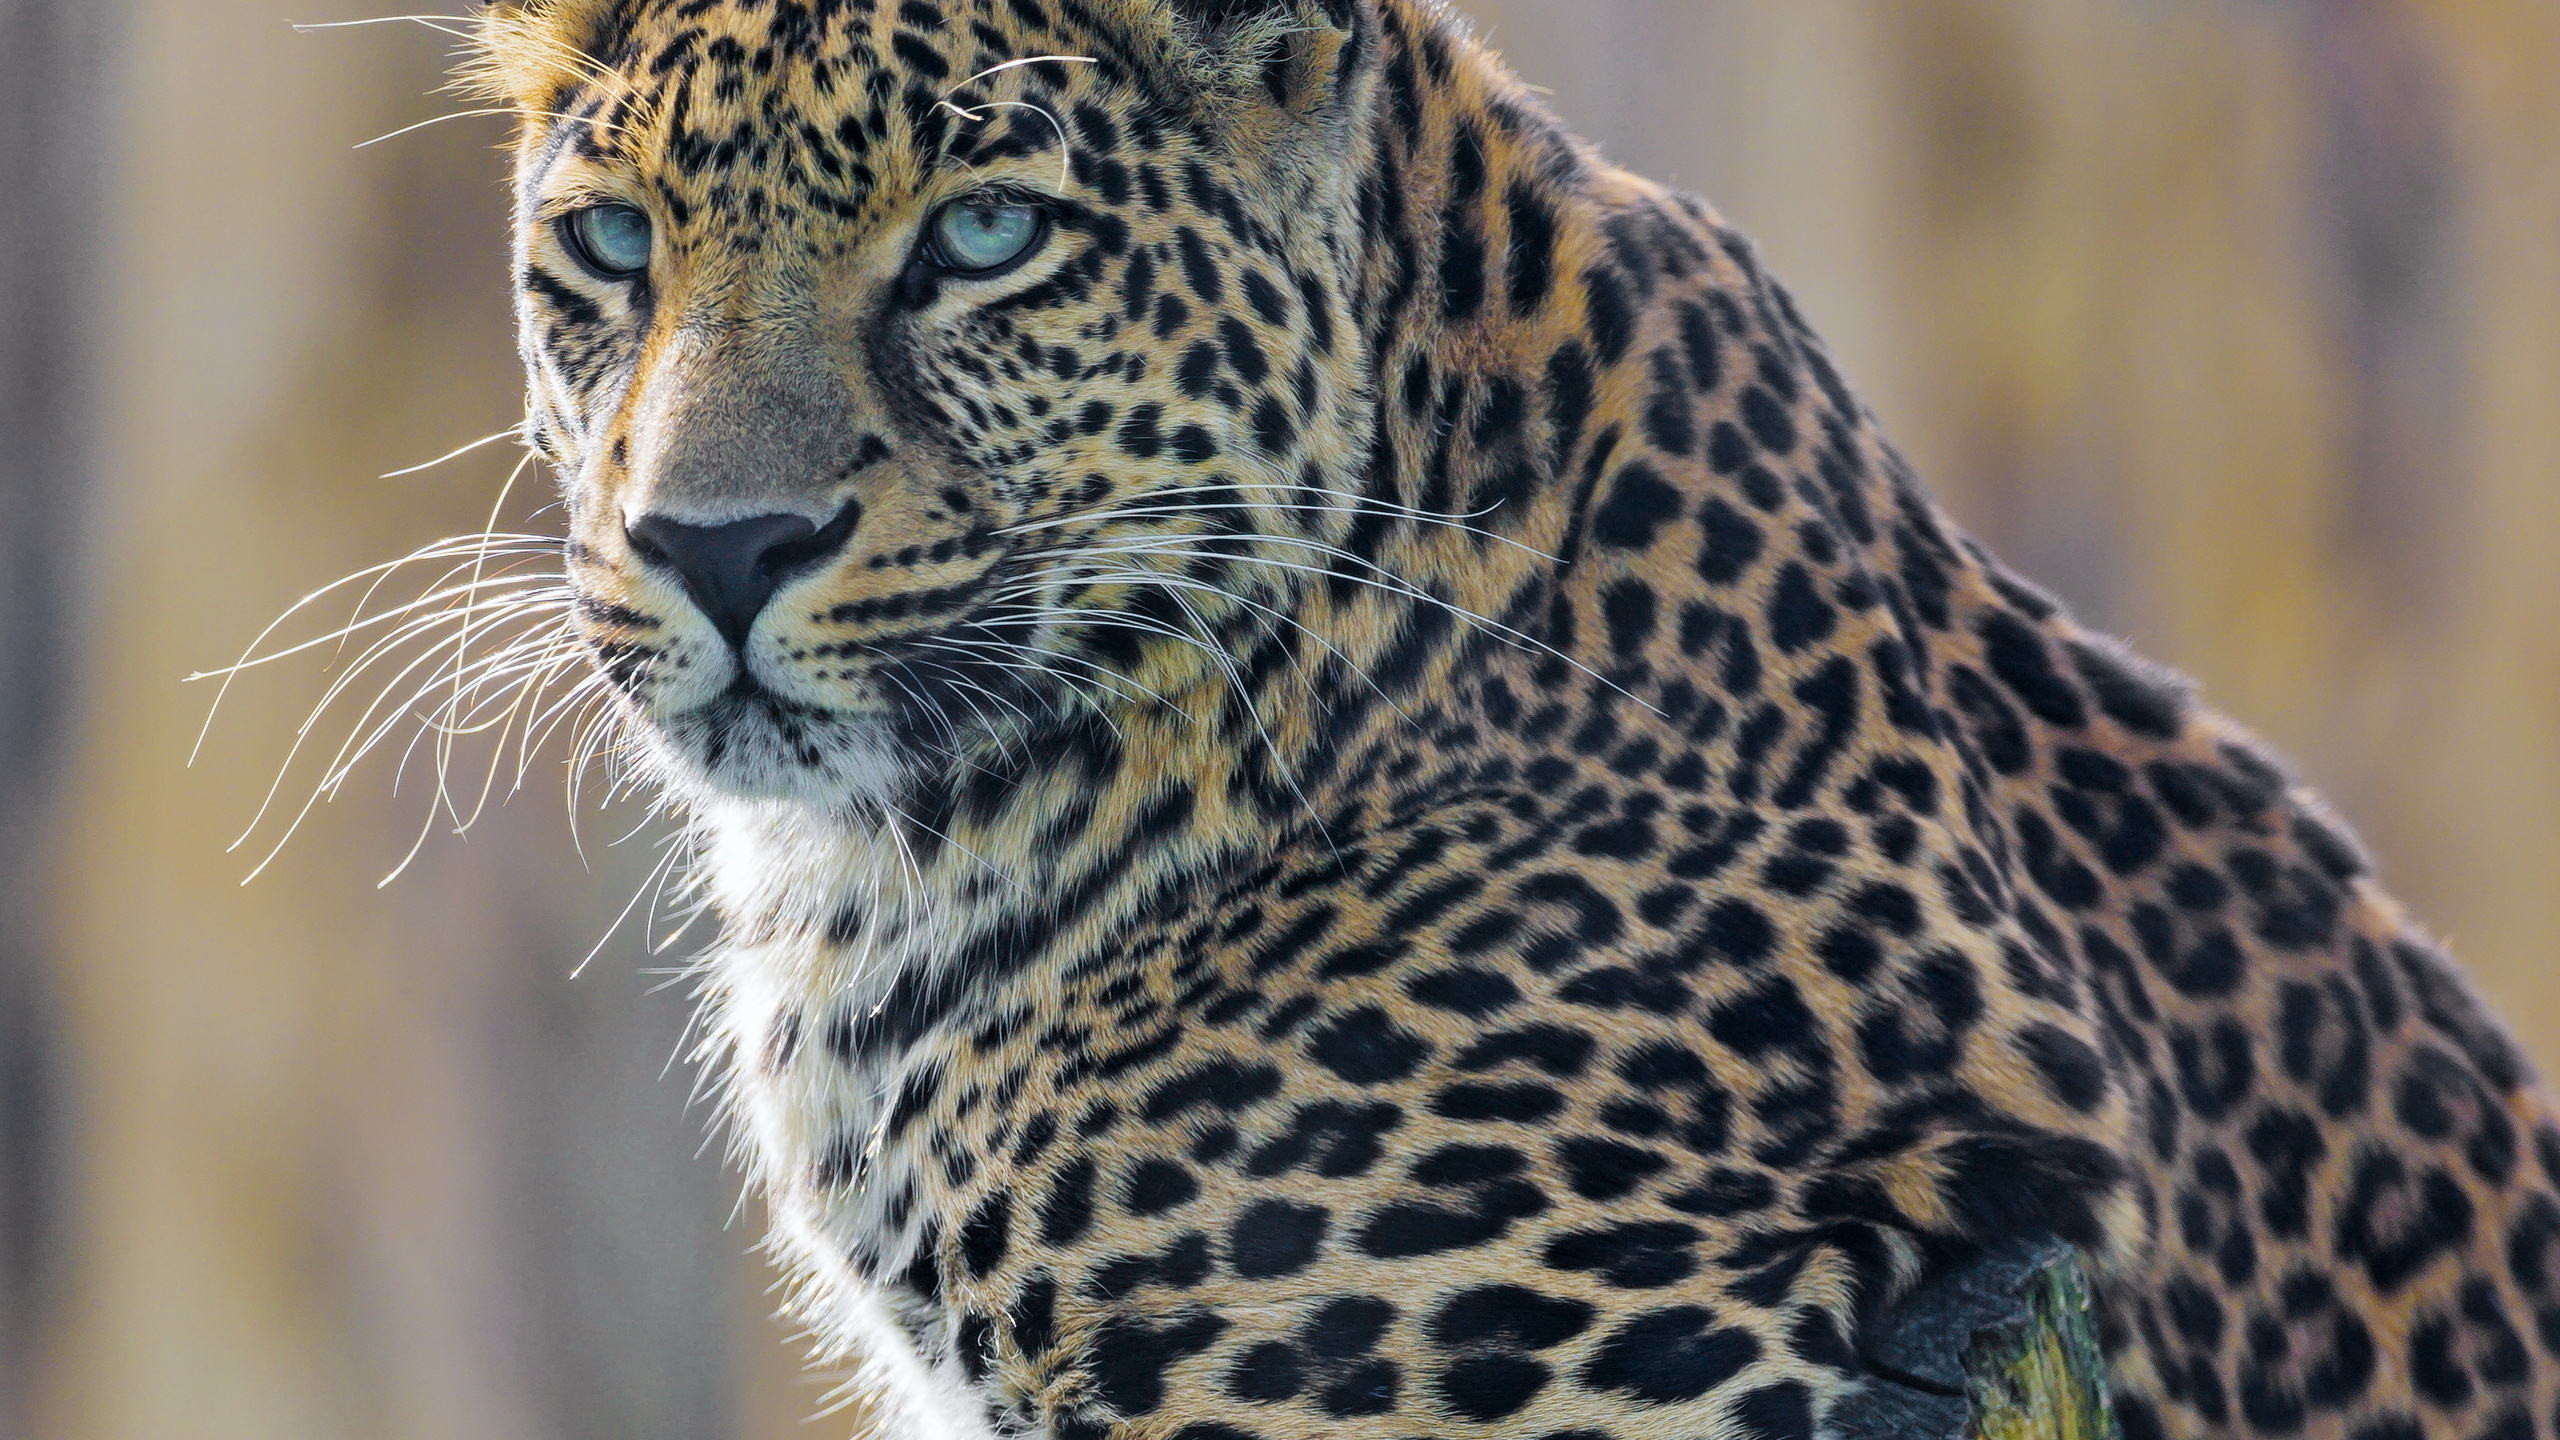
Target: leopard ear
[
  {"x": 1298, "y": 54},
  {"x": 528, "y": 53}
]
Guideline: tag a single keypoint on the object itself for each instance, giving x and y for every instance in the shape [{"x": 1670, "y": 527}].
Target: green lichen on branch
[{"x": 2042, "y": 1378}]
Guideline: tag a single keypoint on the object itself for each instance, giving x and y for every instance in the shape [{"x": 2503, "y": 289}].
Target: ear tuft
[{"x": 526, "y": 52}]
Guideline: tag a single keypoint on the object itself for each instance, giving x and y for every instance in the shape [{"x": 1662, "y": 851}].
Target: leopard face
[{"x": 906, "y": 376}]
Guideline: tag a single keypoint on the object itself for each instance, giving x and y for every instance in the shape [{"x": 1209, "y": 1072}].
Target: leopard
[{"x": 1349, "y": 794}]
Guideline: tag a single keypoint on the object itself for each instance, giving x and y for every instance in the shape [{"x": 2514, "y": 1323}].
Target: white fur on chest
[{"x": 803, "y": 1108}]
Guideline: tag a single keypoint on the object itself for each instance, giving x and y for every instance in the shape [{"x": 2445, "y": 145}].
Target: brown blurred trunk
[{"x": 49, "y": 155}]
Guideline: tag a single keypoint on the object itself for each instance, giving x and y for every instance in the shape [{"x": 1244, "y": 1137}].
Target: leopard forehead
[{"x": 699, "y": 88}]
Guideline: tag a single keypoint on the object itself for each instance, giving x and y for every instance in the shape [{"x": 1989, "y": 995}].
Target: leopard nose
[{"x": 731, "y": 570}]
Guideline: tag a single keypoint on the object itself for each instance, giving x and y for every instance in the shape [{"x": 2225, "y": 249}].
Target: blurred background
[{"x": 2236, "y": 321}]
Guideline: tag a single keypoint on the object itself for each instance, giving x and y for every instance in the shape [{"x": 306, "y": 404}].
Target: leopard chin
[{"x": 750, "y": 744}]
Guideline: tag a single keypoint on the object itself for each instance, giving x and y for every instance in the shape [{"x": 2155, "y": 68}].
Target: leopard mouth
[{"x": 912, "y": 703}]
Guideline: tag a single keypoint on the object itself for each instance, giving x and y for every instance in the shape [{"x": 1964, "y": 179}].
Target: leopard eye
[
  {"x": 612, "y": 240},
  {"x": 977, "y": 237}
]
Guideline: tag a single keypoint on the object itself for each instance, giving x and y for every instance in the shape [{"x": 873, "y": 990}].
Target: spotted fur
[{"x": 1395, "y": 818}]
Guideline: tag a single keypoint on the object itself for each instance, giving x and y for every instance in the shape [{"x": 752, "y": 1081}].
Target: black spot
[
  {"x": 1552, "y": 1048},
  {"x": 1485, "y": 1388},
  {"x": 1798, "y": 615},
  {"x": 1607, "y": 1169},
  {"x": 1699, "y": 343},
  {"x": 1273, "y": 1238},
  {"x": 1453, "y": 1165},
  {"x": 1481, "y": 1103},
  {"x": 1666, "y": 1357},
  {"x": 2132, "y": 692},
  {"x": 1129, "y": 1357},
  {"x": 2325, "y": 1045},
  {"x": 2072, "y": 885},
  {"x": 2288, "y": 1146},
  {"x": 1366, "y": 1388},
  {"x": 1670, "y": 425},
  {"x": 1192, "y": 445},
  {"x": 1068, "y": 1212},
  {"x": 2215, "y": 1068},
  {"x": 2307, "y": 1354},
  {"x": 1228, "y": 1085},
  {"x": 1366, "y": 1048},
  {"x": 1924, "y": 1034},
  {"x": 1640, "y": 503},
  {"x": 1268, "y": 1374},
  {"x": 1465, "y": 991},
  {"x": 2022, "y": 661},
  {"x": 2071, "y": 1070},
  {"x": 2195, "y": 1312},
  {"x": 1156, "y": 1186},
  {"x": 2398, "y": 1223},
  {"x": 2211, "y": 968},
  {"x": 1771, "y": 1017},
  {"x": 1335, "y": 1139},
  {"x": 1995, "y": 726},
  {"x": 1732, "y": 546},
  {"x": 1033, "y": 1316},
  {"x": 1405, "y": 1231},
  {"x": 1726, "y": 1193},
  {"x": 1662, "y": 1065},
  {"x": 1531, "y": 255},
  {"x": 1629, "y": 610},
  {"x": 1775, "y": 1412},
  {"x": 1348, "y": 1327},
  {"x": 1198, "y": 268},
  {"x": 983, "y": 1239},
  {"x": 1509, "y": 1315},
  {"x": 1646, "y": 1255},
  {"x": 1772, "y": 428},
  {"x": 2034, "y": 1183},
  {"x": 1612, "y": 319}
]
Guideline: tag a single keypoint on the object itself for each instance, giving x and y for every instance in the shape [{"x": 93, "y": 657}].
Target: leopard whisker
[
  {"x": 1339, "y": 503},
  {"x": 1184, "y": 584},
  {"x": 375, "y": 574},
  {"x": 1393, "y": 584},
  {"x": 1229, "y": 671},
  {"x": 966, "y": 686},
  {"x": 1018, "y": 64},
  {"x": 477, "y": 114},
  {"x": 437, "y": 23},
  {"x": 485, "y": 440},
  {"x": 1088, "y": 663},
  {"x": 1060, "y": 684},
  {"x": 1066, "y": 156},
  {"x": 378, "y": 651},
  {"x": 674, "y": 852}
]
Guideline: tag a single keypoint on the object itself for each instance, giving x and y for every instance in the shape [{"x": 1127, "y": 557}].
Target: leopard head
[{"x": 922, "y": 375}]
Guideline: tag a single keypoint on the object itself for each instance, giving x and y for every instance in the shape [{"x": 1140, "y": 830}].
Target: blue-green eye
[
  {"x": 611, "y": 240},
  {"x": 974, "y": 237}
]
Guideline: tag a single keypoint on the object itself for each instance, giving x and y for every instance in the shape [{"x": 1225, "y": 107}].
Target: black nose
[{"x": 731, "y": 570}]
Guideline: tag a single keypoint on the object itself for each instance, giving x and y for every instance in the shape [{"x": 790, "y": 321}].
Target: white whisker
[{"x": 485, "y": 440}]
